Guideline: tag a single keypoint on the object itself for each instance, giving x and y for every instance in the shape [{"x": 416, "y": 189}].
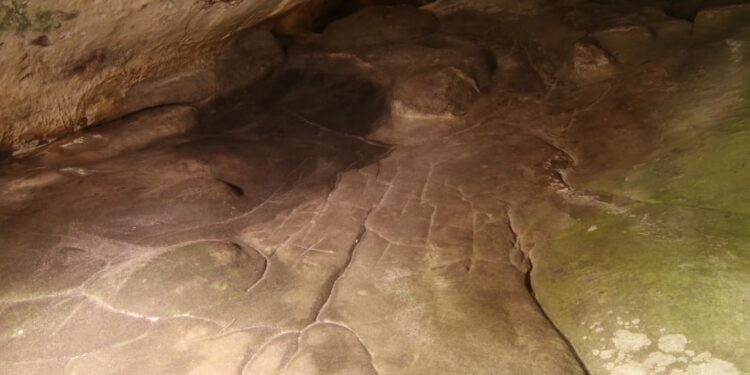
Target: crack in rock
[
  {"x": 352, "y": 250},
  {"x": 361, "y": 343},
  {"x": 518, "y": 242}
]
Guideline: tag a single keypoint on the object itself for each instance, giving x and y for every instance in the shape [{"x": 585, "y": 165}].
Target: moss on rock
[
  {"x": 677, "y": 262},
  {"x": 16, "y": 15}
]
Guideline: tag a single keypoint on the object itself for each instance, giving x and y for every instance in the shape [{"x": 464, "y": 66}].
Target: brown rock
[
  {"x": 108, "y": 61},
  {"x": 590, "y": 63},
  {"x": 628, "y": 44},
  {"x": 317, "y": 343},
  {"x": 379, "y": 25},
  {"x": 182, "y": 280},
  {"x": 180, "y": 346},
  {"x": 721, "y": 21},
  {"x": 62, "y": 327},
  {"x": 444, "y": 91},
  {"x": 131, "y": 133},
  {"x": 402, "y": 60},
  {"x": 673, "y": 29}
]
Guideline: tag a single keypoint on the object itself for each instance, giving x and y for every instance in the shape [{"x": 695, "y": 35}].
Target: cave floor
[{"x": 556, "y": 203}]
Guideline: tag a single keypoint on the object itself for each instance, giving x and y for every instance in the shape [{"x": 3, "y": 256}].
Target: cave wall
[{"x": 69, "y": 64}]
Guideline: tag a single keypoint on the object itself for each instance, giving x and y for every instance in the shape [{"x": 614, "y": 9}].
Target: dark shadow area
[
  {"x": 343, "y": 102},
  {"x": 343, "y": 9}
]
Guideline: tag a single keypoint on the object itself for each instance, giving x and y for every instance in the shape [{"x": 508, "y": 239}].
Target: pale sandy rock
[
  {"x": 329, "y": 349},
  {"x": 659, "y": 361},
  {"x": 627, "y": 342},
  {"x": 674, "y": 343},
  {"x": 184, "y": 346},
  {"x": 630, "y": 368},
  {"x": 712, "y": 366},
  {"x": 102, "y": 60},
  {"x": 203, "y": 274},
  {"x": 274, "y": 355},
  {"x": 590, "y": 63},
  {"x": 63, "y": 327}
]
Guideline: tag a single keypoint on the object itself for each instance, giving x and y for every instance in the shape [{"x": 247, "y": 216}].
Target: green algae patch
[
  {"x": 16, "y": 15},
  {"x": 665, "y": 285},
  {"x": 710, "y": 171},
  {"x": 657, "y": 271}
]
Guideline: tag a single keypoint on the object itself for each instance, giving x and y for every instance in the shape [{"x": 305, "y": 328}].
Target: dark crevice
[
  {"x": 528, "y": 284},
  {"x": 530, "y": 288},
  {"x": 315, "y": 16},
  {"x": 350, "y": 260},
  {"x": 339, "y": 10},
  {"x": 689, "y": 9},
  {"x": 684, "y": 12},
  {"x": 344, "y": 8},
  {"x": 5, "y": 154},
  {"x": 237, "y": 190},
  {"x": 326, "y": 94}
]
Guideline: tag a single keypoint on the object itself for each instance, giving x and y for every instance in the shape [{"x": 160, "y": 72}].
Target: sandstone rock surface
[
  {"x": 467, "y": 193},
  {"x": 69, "y": 64}
]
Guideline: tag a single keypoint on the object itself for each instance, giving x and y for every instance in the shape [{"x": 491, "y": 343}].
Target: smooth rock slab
[
  {"x": 435, "y": 92},
  {"x": 274, "y": 355},
  {"x": 630, "y": 44},
  {"x": 180, "y": 346},
  {"x": 61, "y": 328},
  {"x": 435, "y": 263},
  {"x": 182, "y": 280},
  {"x": 330, "y": 349},
  {"x": 42, "y": 265}
]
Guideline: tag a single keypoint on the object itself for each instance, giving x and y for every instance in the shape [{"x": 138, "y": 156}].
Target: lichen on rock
[{"x": 15, "y": 15}]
